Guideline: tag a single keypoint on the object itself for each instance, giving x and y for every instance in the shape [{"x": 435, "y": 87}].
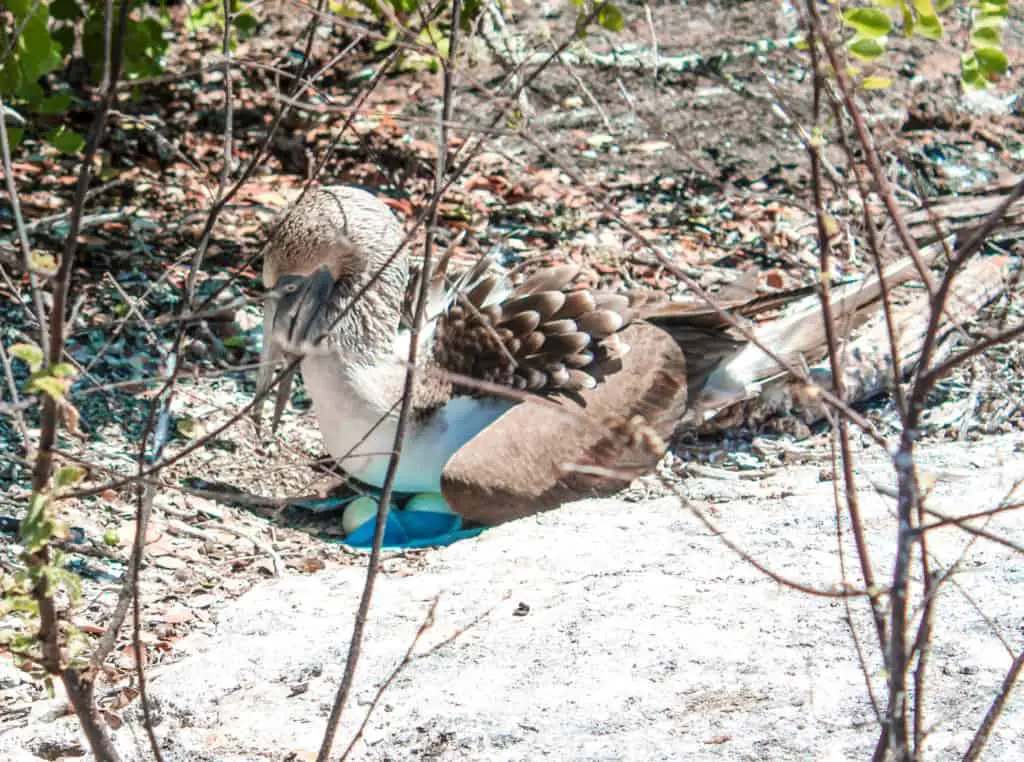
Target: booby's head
[
  {"x": 335, "y": 265},
  {"x": 341, "y": 227},
  {"x": 336, "y": 274}
]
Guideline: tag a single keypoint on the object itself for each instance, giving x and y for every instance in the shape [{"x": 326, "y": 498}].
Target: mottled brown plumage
[
  {"x": 616, "y": 372},
  {"x": 590, "y": 443},
  {"x": 538, "y": 336}
]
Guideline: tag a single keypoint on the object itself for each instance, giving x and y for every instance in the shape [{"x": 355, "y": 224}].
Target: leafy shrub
[
  {"x": 984, "y": 62},
  {"x": 39, "y": 70}
]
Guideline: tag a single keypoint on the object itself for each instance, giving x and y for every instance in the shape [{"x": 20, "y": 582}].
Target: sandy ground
[{"x": 607, "y": 630}]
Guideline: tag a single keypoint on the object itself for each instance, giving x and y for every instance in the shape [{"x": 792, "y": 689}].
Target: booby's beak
[
  {"x": 296, "y": 307},
  {"x": 294, "y": 323},
  {"x": 270, "y": 359}
]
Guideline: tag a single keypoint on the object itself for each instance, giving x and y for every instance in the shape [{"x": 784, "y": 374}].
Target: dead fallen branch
[
  {"x": 867, "y": 367},
  {"x": 963, "y": 214}
]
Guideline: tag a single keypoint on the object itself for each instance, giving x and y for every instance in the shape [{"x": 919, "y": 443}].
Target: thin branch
[
  {"x": 405, "y": 411},
  {"x": 229, "y": 101},
  {"x": 874, "y": 246},
  {"x": 426, "y": 624},
  {"x": 409, "y": 658},
  {"x": 960, "y": 522},
  {"x": 832, "y": 342},
  {"x": 995, "y": 710},
  {"x": 867, "y": 142},
  {"x": 19, "y": 222},
  {"x": 841, "y": 553},
  {"x": 841, "y": 591},
  {"x": 939, "y": 372},
  {"x": 79, "y": 691},
  {"x": 15, "y": 407}
]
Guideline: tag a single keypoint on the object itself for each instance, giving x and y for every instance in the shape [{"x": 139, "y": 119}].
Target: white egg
[
  {"x": 431, "y": 502},
  {"x": 358, "y": 512}
]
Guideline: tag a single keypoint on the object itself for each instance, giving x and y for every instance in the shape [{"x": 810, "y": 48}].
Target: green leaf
[
  {"x": 388, "y": 42},
  {"x": 992, "y": 62},
  {"x": 68, "y": 475},
  {"x": 36, "y": 509},
  {"x": 14, "y": 136},
  {"x": 64, "y": 370},
  {"x": 53, "y": 387},
  {"x": 29, "y": 354},
  {"x": 430, "y": 35},
  {"x": 29, "y": 90},
  {"x": 875, "y": 83},
  {"x": 37, "y": 53},
  {"x": 24, "y": 604},
  {"x": 55, "y": 104},
  {"x": 931, "y": 27},
  {"x": 610, "y": 17},
  {"x": 153, "y": 30},
  {"x": 869, "y": 22},
  {"x": 65, "y": 37},
  {"x": 970, "y": 74},
  {"x": 908, "y": 19},
  {"x": 190, "y": 428},
  {"x": 19, "y": 8},
  {"x": 994, "y": 8},
  {"x": 989, "y": 21},
  {"x": 36, "y": 528},
  {"x": 865, "y": 48},
  {"x": 246, "y": 23},
  {"x": 66, "y": 141},
  {"x": 986, "y": 36},
  {"x": 61, "y": 577}
]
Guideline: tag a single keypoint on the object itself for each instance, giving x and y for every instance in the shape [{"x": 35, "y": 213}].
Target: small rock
[
  {"x": 202, "y": 601},
  {"x": 178, "y": 614},
  {"x": 169, "y": 562}
]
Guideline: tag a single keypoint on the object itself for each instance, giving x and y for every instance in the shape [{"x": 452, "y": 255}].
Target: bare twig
[
  {"x": 995, "y": 709},
  {"x": 19, "y": 223},
  {"x": 410, "y": 657},
  {"x": 79, "y": 688},
  {"x": 405, "y": 410},
  {"x": 426, "y": 624},
  {"x": 12, "y": 390},
  {"x": 839, "y": 591},
  {"x": 832, "y": 340},
  {"x": 867, "y": 142}
]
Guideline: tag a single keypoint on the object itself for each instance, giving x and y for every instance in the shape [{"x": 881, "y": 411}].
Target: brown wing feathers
[
  {"x": 539, "y": 337},
  {"x": 542, "y": 337},
  {"x": 536, "y": 457}
]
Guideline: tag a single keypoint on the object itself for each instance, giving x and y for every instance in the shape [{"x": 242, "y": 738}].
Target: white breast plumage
[{"x": 361, "y": 435}]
